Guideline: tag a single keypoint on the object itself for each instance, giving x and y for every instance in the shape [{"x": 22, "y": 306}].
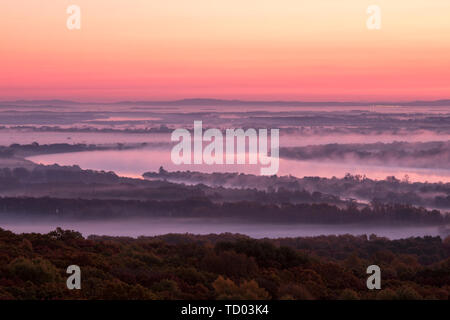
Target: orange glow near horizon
[{"x": 265, "y": 49}]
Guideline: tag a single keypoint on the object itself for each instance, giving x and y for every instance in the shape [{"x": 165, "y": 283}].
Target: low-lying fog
[
  {"x": 152, "y": 227},
  {"x": 133, "y": 163},
  {"x": 8, "y": 137}
]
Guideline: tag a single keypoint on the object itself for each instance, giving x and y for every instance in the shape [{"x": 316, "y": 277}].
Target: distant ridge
[
  {"x": 223, "y": 102},
  {"x": 220, "y": 102},
  {"x": 53, "y": 101}
]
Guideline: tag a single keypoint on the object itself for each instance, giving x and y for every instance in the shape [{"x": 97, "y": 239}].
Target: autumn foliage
[{"x": 227, "y": 266}]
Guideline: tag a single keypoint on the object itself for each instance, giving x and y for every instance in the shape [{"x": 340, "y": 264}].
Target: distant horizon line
[{"x": 230, "y": 102}]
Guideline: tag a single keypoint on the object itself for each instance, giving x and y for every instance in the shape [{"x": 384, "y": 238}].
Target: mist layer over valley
[{"x": 106, "y": 169}]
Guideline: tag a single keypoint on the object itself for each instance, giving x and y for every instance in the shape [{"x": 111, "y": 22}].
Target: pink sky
[{"x": 253, "y": 49}]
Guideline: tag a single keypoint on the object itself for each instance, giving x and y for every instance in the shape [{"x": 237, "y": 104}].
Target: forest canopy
[{"x": 226, "y": 266}]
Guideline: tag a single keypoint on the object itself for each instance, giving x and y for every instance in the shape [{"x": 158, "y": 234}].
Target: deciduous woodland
[
  {"x": 82, "y": 209},
  {"x": 71, "y": 193},
  {"x": 226, "y": 266}
]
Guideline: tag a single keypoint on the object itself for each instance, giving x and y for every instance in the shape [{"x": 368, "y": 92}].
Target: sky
[{"x": 235, "y": 49}]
